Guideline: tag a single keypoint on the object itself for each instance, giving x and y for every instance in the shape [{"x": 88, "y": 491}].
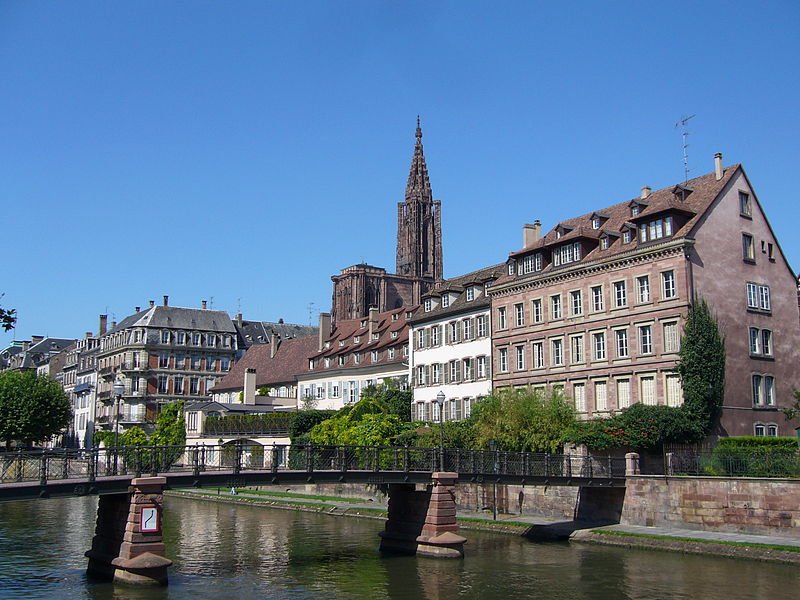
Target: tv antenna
[
  {"x": 211, "y": 303},
  {"x": 311, "y": 311},
  {"x": 682, "y": 122}
]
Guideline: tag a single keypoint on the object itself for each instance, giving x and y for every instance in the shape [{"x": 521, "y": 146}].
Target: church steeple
[
  {"x": 418, "y": 186},
  {"x": 419, "y": 224}
]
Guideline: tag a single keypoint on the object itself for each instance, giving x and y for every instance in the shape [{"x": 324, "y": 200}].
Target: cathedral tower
[{"x": 419, "y": 223}]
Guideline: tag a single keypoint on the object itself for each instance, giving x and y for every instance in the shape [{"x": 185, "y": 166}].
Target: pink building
[{"x": 597, "y": 305}]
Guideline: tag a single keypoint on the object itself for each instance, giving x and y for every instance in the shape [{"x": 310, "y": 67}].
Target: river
[{"x": 227, "y": 552}]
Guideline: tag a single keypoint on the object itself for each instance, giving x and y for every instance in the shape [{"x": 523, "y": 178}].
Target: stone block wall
[{"x": 759, "y": 506}]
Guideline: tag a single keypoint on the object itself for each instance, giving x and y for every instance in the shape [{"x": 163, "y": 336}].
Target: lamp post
[
  {"x": 118, "y": 390},
  {"x": 493, "y": 448},
  {"x": 440, "y": 401}
]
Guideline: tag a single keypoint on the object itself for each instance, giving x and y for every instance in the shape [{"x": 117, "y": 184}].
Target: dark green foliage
[
  {"x": 457, "y": 434},
  {"x": 8, "y": 317},
  {"x": 275, "y": 422},
  {"x": 702, "y": 365},
  {"x": 640, "y": 426},
  {"x": 170, "y": 426},
  {"x": 32, "y": 409},
  {"x": 397, "y": 401},
  {"x": 793, "y": 411},
  {"x": 751, "y": 456},
  {"x": 304, "y": 421}
]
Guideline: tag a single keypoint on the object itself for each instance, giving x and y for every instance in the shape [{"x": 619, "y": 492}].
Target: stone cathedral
[{"x": 419, "y": 254}]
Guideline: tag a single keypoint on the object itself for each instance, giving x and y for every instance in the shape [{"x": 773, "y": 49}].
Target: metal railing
[{"x": 89, "y": 465}]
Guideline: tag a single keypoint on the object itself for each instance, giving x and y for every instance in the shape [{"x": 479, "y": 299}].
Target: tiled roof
[
  {"x": 290, "y": 359},
  {"x": 459, "y": 284},
  {"x": 704, "y": 190}
]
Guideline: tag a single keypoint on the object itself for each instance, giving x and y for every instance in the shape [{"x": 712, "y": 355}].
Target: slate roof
[
  {"x": 259, "y": 332},
  {"x": 175, "y": 317},
  {"x": 229, "y": 407},
  {"x": 290, "y": 359},
  {"x": 702, "y": 190}
]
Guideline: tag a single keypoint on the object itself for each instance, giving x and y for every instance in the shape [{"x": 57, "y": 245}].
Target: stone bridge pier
[
  {"x": 423, "y": 521},
  {"x": 128, "y": 544}
]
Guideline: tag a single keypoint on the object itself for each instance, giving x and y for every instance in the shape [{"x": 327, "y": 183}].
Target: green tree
[
  {"x": 32, "y": 409},
  {"x": 8, "y": 317},
  {"x": 702, "y": 366},
  {"x": 170, "y": 427},
  {"x": 368, "y": 422},
  {"x": 523, "y": 420}
]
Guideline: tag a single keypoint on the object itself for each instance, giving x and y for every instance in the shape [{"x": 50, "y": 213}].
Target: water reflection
[{"x": 222, "y": 551}]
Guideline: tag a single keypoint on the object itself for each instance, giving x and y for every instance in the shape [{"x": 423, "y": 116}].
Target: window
[
  {"x": 352, "y": 392},
  {"x": 481, "y": 321},
  {"x": 531, "y": 263},
  {"x": 597, "y": 298},
  {"x": 674, "y": 391},
  {"x": 771, "y": 251},
  {"x": 557, "y": 352},
  {"x": 621, "y": 337},
  {"x": 555, "y": 307},
  {"x": 163, "y": 361},
  {"x": 162, "y": 384},
  {"x": 755, "y": 341},
  {"x": 501, "y": 317},
  {"x": 373, "y": 356},
  {"x": 512, "y": 267},
  {"x": 772, "y": 430},
  {"x": 136, "y": 362},
  {"x": 536, "y": 311},
  {"x": 194, "y": 385},
  {"x": 165, "y": 337},
  {"x": 759, "y": 429},
  {"x": 748, "y": 248},
  {"x": 357, "y": 358},
  {"x": 668, "y": 285},
  {"x": 455, "y": 371},
  {"x": 452, "y": 332},
  {"x": 340, "y": 360},
  {"x": 180, "y": 361},
  {"x": 520, "y": 358},
  {"x": 595, "y": 222},
  {"x": 466, "y": 325},
  {"x": 445, "y": 300},
  {"x": 519, "y": 314},
  {"x": 620, "y": 294},
  {"x": 427, "y": 305},
  {"x": 758, "y": 394},
  {"x": 225, "y": 363},
  {"x": 421, "y": 379},
  {"x": 182, "y": 338},
  {"x": 196, "y": 339},
  {"x": 648, "y": 389},
  {"x": 763, "y": 298},
  {"x": 212, "y": 341},
  {"x": 178, "y": 385},
  {"x": 600, "y": 396},
  {"x": 579, "y": 394},
  {"x": 195, "y": 362},
  {"x": 643, "y": 289},
  {"x": 576, "y": 349},
  {"x": 482, "y": 374},
  {"x": 599, "y": 345},
  {"x": 470, "y": 294},
  {"x": 604, "y": 243},
  {"x": 576, "y": 302},
  {"x": 766, "y": 342},
  {"x": 745, "y": 206},
  {"x": 435, "y": 335},
  {"x": 672, "y": 341},
  {"x": 566, "y": 254},
  {"x": 436, "y": 373},
  {"x": 758, "y": 297},
  {"x": 655, "y": 230},
  {"x": 390, "y": 352},
  {"x": 537, "y": 349},
  {"x": 623, "y": 393},
  {"x": 634, "y": 210},
  {"x": 469, "y": 369},
  {"x": 320, "y": 392},
  {"x": 645, "y": 339},
  {"x": 503, "y": 360},
  {"x": 626, "y": 236},
  {"x": 134, "y": 384},
  {"x": 769, "y": 390}
]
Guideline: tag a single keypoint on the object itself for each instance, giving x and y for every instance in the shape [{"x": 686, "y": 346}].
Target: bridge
[{"x": 127, "y": 545}]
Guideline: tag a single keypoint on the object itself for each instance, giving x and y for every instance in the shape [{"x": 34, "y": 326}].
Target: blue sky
[{"x": 245, "y": 152}]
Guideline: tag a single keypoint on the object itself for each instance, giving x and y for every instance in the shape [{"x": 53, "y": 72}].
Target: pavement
[{"x": 545, "y": 523}]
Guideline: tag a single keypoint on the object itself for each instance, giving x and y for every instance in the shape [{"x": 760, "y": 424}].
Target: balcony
[{"x": 129, "y": 366}]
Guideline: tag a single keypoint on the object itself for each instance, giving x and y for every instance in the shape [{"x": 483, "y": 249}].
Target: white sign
[{"x": 149, "y": 520}]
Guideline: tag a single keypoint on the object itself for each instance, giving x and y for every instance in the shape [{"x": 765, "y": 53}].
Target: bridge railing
[{"x": 50, "y": 465}]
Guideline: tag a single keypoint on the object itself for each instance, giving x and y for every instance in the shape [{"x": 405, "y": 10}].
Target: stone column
[
  {"x": 439, "y": 537},
  {"x": 125, "y": 547},
  {"x": 632, "y": 464}
]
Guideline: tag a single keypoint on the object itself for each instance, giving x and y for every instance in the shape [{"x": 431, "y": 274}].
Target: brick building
[
  {"x": 419, "y": 254},
  {"x": 597, "y": 305}
]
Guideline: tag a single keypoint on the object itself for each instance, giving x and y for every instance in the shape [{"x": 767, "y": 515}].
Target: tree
[
  {"x": 702, "y": 366},
  {"x": 8, "y": 317},
  {"x": 170, "y": 427},
  {"x": 523, "y": 420},
  {"x": 793, "y": 411},
  {"x": 32, "y": 409}
]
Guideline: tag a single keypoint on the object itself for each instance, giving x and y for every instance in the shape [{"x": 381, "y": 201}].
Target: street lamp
[
  {"x": 440, "y": 401},
  {"x": 119, "y": 390}
]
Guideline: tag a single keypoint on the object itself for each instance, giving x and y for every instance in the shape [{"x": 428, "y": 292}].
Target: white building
[{"x": 451, "y": 347}]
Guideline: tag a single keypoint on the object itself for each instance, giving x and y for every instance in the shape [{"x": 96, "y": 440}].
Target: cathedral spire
[{"x": 418, "y": 186}]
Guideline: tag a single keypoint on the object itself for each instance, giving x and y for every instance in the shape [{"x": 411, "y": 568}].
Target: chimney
[
  {"x": 166, "y": 300},
  {"x": 103, "y": 324},
  {"x": 239, "y": 319},
  {"x": 646, "y": 189},
  {"x": 204, "y": 304},
  {"x": 718, "y": 166},
  {"x": 373, "y": 321},
  {"x": 113, "y": 324},
  {"x": 137, "y": 308},
  {"x": 26, "y": 345},
  {"x": 324, "y": 328},
  {"x": 274, "y": 343},
  {"x": 250, "y": 386},
  {"x": 152, "y": 303},
  {"x": 88, "y": 335},
  {"x": 531, "y": 233}
]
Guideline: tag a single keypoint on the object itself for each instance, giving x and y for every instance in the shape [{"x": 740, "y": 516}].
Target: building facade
[
  {"x": 358, "y": 288},
  {"x": 597, "y": 305},
  {"x": 162, "y": 354},
  {"x": 451, "y": 347},
  {"x": 356, "y": 354}
]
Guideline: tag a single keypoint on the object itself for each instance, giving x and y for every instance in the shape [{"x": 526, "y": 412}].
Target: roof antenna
[
  {"x": 683, "y": 123},
  {"x": 211, "y": 303},
  {"x": 310, "y": 308}
]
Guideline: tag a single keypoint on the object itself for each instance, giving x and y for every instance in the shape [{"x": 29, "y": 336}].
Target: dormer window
[
  {"x": 394, "y": 335},
  {"x": 635, "y": 210},
  {"x": 311, "y": 364},
  {"x": 532, "y": 263},
  {"x": 445, "y": 300},
  {"x": 604, "y": 243},
  {"x": 341, "y": 343},
  {"x": 512, "y": 267},
  {"x": 626, "y": 236},
  {"x": 568, "y": 253},
  {"x": 375, "y": 336},
  {"x": 558, "y": 234},
  {"x": 470, "y": 294},
  {"x": 409, "y": 314},
  {"x": 327, "y": 345},
  {"x": 395, "y": 317},
  {"x": 364, "y": 323},
  {"x": 357, "y": 339},
  {"x": 655, "y": 229},
  {"x": 596, "y": 223},
  {"x": 327, "y": 362},
  {"x": 428, "y": 304}
]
